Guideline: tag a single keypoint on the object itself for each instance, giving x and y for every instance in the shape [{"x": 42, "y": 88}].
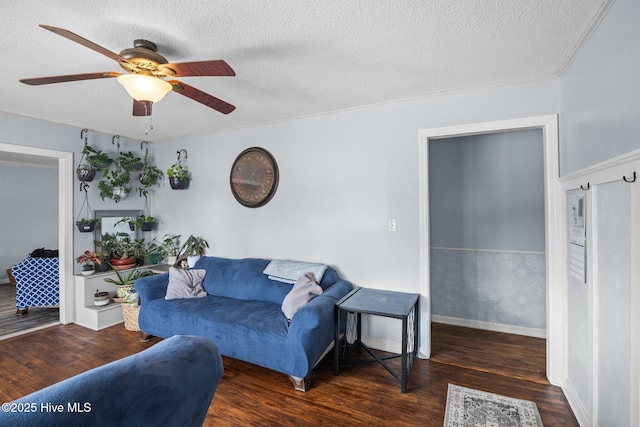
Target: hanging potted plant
[
  {"x": 149, "y": 176},
  {"x": 116, "y": 185},
  {"x": 178, "y": 174},
  {"x": 98, "y": 159},
  {"x": 193, "y": 248},
  {"x": 85, "y": 171},
  {"x": 86, "y": 225},
  {"x": 147, "y": 222},
  {"x": 129, "y": 161}
]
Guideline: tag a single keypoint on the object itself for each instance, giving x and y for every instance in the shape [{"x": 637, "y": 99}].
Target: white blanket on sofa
[{"x": 289, "y": 271}]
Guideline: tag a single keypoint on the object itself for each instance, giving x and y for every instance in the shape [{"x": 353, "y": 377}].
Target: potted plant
[
  {"x": 98, "y": 159},
  {"x": 123, "y": 282},
  {"x": 193, "y": 248},
  {"x": 171, "y": 246},
  {"x": 85, "y": 172},
  {"x": 179, "y": 176},
  {"x": 143, "y": 222},
  {"x": 116, "y": 183},
  {"x": 89, "y": 260},
  {"x": 149, "y": 176},
  {"x": 154, "y": 253},
  {"x": 86, "y": 225},
  {"x": 121, "y": 250}
]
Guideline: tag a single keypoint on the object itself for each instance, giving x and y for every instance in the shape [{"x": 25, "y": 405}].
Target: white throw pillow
[
  {"x": 305, "y": 289},
  {"x": 185, "y": 284}
]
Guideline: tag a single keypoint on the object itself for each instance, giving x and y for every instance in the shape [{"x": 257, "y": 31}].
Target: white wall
[{"x": 342, "y": 176}]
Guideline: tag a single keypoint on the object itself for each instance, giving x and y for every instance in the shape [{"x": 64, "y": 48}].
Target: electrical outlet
[{"x": 392, "y": 225}]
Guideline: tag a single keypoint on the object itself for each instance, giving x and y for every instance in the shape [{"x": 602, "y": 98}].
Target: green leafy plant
[
  {"x": 123, "y": 279},
  {"x": 98, "y": 159},
  {"x": 118, "y": 246},
  {"x": 116, "y": 183},
  {"x": 171, "y": 244},
  {"x": 149, "y": 176},
  {"x": 177, "y": 170},
  {"x": 139, "y": 221},
  {"x": 194, "y": 246},
  {"x": 84, "y": 221}
]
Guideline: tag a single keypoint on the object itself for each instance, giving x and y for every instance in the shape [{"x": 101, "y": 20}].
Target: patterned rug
[{"x": 475, "y": 408}]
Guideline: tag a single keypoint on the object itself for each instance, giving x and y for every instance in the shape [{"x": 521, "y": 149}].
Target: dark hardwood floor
[
  {"x": 35, "y": 318},
  {"x": 366, "y": 395}
]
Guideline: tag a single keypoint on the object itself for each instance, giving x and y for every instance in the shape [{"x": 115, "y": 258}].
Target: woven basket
[{"x": 130, "y": 313}]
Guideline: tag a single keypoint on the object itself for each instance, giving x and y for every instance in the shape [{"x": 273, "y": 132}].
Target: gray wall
[
  {"x": 28, "y": 211},
  {"x": 600, "y": 120},
  {"x": 486, "y": 195},
  {"x": 600, "y": 93}
]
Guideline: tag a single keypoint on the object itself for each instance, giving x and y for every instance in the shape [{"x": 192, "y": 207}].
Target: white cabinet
[
  {"x": 100, "y": 317},
  {"x": 89, "y": 315}
]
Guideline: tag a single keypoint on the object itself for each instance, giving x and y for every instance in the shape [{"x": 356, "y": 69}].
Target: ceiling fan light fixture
[{"x": 144, "y": 88}]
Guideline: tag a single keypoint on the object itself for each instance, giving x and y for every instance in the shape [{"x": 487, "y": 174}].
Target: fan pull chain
[{"x": 148, "y": 125}]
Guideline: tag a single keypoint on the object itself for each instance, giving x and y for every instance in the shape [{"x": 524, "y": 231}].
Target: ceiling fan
[{"x": 146, "y": 71}]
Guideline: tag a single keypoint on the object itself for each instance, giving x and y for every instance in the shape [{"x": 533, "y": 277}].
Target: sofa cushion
[
  {"x": 241, "y": 279},
  {"x": 305, "y": 289},
  {"x": 185, "y": 283}
]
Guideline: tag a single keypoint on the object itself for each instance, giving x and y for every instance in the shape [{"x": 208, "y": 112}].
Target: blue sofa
[
  {"x": 242, "y": 314},
  {"x": 169, "y": 384}
]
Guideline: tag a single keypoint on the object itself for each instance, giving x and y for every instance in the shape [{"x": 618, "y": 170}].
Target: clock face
[{"x": 254, "y": 177}]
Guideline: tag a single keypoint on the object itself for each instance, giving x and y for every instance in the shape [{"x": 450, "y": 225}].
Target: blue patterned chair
[{"x": 37, "y": 283}]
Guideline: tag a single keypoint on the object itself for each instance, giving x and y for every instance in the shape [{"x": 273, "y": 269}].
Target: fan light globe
[{"x": 144, "y": 88}]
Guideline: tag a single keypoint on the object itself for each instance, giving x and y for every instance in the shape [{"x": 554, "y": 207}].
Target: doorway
[
  {"x": 552, "y": 229},
  {"x": 64, "y": 162}
]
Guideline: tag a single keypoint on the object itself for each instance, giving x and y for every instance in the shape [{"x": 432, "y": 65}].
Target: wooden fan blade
[
  {"x": 69, "y": 78},
  {"x": 200, "y": 68},
  {"x": 84, "y": 42},
  {"x": 141, "y": 109},
  {"x": 201, "y": 97}
]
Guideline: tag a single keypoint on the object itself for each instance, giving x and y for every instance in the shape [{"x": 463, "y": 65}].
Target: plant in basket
[{"x": 123, "y": 281}]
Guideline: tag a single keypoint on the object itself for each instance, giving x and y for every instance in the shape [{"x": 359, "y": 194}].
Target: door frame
[
  {"x": 556, "y": 289},
  {"x": 65, "y": 220}
]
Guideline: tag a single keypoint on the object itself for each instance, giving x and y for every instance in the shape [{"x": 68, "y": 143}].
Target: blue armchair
[{"x": 169, "y": 384}]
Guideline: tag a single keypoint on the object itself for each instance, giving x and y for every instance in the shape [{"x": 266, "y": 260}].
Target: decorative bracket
[
  {"x": 632, "y": 179},
  {"x": 180, "y": 152}
]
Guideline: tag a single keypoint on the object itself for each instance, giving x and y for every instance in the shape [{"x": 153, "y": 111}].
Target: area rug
[{"x": 475, "y": 408}]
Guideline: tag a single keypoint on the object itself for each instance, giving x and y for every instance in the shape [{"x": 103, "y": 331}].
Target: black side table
[{"x": 398, "y": 305}]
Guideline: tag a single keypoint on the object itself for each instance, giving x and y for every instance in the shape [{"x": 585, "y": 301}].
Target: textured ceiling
[{"x": 292, "y": 57}]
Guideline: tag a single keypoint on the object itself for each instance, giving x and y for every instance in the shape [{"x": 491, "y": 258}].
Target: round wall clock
[{"x": 254, "y": 177}]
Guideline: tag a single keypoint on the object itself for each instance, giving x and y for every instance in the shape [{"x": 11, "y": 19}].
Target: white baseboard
[
  {"x": 577, "y": 407},
  {"x": 490, "y": 326},
  {"x": 4, "y": 281}
]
